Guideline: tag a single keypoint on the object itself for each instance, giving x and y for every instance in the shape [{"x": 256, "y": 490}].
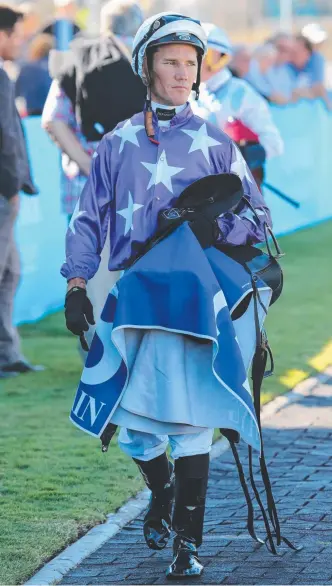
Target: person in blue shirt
[
  {"x": 281, "y": 77},
  {"x": 34, "y": 81},
  {"x": 263, "y": 59},
  {"x": 309, "y": 68},
  {"x": 270, "y": 71}
]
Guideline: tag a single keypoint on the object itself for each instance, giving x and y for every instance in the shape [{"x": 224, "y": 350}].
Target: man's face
[
  {"x": 11, "y": 42},
  {"x": 300, "y": 55},
  {"x": 284, "y": 51},
  {"x": 174, "y": 72},
  {"x": 31, "y": 24}
]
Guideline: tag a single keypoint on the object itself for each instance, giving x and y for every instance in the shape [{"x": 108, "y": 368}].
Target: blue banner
[{"x": 303, "y": 173}]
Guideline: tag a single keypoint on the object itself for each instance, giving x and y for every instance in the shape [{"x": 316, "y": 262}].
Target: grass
[
  {"x": 299, "y": 325},
  {"x": 54, "y": 482}
]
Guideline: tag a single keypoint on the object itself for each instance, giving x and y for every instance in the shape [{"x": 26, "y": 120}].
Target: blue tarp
[{"x": 303, "y": 172}]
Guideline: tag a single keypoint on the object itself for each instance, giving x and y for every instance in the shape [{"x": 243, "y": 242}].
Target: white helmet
[
  {"x": 165, "y": 28},
  {"x": 217, "y": 39}
]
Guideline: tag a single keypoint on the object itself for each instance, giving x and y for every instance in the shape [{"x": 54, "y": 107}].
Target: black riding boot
[
  {"x": 191, "y": 478},
  {"x": 159, "y": 478}
]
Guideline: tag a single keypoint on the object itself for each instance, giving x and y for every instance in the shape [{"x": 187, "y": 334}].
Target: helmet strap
[
  {"x": 198, "y": 78},
  {"x": 148, "y": 118}
]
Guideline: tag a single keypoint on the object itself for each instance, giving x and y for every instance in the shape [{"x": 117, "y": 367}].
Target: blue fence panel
[
  {"x": 303, "y": 172},
  {"x": 41, "y": 231}
]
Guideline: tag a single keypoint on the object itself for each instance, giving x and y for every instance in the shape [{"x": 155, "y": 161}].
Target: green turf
[
  {"x": 299, "y": 325},
  {"x": 54, "y": 481}
]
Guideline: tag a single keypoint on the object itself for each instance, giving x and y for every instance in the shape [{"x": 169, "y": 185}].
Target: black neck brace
[{"x": 165, "y": 114}]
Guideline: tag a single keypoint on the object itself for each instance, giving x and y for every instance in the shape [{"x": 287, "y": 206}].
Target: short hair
[
  {"x": 9, "y": 17},
  {"x": 122, "y": 17},
  {"x": 307, "y": 44},
  {"x": 280, "y": 36},
  {"x": 40, "y": 46}
]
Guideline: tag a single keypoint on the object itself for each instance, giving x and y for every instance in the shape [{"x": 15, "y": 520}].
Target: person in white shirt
[{"x": 235, "y": 106}]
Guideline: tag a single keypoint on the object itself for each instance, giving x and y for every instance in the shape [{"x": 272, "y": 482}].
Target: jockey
[
  {"x": 139, "y": 170},
  {"x": 235, "y": 106}
]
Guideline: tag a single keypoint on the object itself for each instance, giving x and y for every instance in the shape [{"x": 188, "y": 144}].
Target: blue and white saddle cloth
[{"x": 166, "y": 355}]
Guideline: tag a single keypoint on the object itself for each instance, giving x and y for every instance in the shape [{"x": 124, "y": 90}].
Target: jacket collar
[
  {"x": 179, "y": 119},
  {"x": 182, "y": 117}
]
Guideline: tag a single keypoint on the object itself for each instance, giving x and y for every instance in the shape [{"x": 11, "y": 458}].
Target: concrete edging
[{"x": 74, "y": 554}]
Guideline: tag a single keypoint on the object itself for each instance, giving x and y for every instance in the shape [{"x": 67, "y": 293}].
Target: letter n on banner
[{"x": 87, "y": 409}]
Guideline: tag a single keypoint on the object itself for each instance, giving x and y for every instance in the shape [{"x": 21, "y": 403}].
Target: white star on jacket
[
  {"x": 240, "y": 167},
  {"x": 127, "y": 133},
  {"x": 127, "y": 213},
  {"x": 201, "y": 141},
  {"x": 77, "y": 213},
  {"x": 161, "y": 172}
]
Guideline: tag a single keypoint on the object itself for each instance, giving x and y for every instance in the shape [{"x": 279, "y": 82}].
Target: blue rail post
[{"x": 64, "y": 30}]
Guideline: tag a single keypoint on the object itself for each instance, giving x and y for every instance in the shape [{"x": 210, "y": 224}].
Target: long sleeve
[
  {"x": 59, "y": 121},
  {"x": 317, "y": 68},
  {"x": 244, "y": 227},
  {"x": 9, "y": 158},
  {"x": 87, "y": 231},
  {"x": 256, "y": 115}
]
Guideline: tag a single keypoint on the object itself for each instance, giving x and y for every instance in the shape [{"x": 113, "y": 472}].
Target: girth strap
[{"x": 258, "y": 373}]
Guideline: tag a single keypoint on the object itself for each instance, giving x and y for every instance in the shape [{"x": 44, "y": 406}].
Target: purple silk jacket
[{"x": 132, "y": 180}]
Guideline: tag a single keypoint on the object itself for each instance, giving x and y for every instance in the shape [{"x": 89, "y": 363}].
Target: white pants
[{"x": 146, "y": 446}]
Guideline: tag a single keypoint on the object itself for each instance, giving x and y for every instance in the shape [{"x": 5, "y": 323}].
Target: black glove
[
  {"x": 79, "y": 313},
  {"x": 205, "y": 230}
]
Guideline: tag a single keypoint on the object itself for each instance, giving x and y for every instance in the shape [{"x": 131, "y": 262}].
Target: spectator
[
  {"x": 123, "y": 18},
  {"x": 77, "y": 120},
  {"x": 271, "y": 72},
  {"x": 240, "y": 61},
  {"x": 317, "y": 37},
  {"x": 243, "y": 113},
  {"x": 78, "y": 137},
  {"x": 34, "y": 81},
  {"x": 14, "y": 176},
  {"x": 280, "y": 77},
  {"x": 309, "y": 68},
  {"x": 264, "y": 57}
]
